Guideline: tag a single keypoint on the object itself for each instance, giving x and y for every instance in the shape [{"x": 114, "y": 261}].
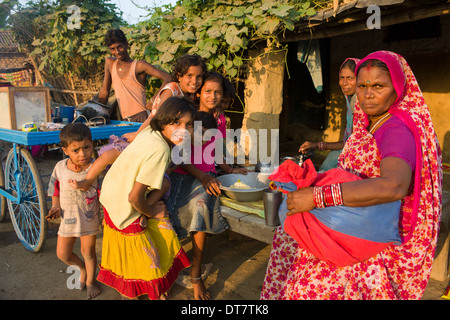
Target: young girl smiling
[
  {"x": 194, "y": 203},
  {"x": 138, "y": 260}
]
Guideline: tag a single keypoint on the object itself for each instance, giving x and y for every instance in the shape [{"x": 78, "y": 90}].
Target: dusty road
[{"x": 237, "y": 270}]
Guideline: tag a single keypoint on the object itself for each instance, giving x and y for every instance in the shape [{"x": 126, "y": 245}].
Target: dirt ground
[{"x": 237, "y": 266}]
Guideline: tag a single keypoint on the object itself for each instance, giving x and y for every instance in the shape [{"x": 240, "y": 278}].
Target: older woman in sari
[
  {"x": 395, "y": 150},
  {"x": 347, "y": 82}
]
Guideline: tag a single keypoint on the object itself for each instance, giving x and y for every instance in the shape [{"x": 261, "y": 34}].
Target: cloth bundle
[
  {"x": 115, "y": 142},
  {"x": 339, "y": 235}
]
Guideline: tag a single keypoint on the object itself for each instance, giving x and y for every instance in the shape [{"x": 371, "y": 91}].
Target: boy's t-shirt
[
  {"x": 79, "y": 209},
  {"x": 145, "y": 160}
]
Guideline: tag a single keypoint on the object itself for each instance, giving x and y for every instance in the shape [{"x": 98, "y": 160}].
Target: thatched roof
[
  {"x": 11, "y": 59},
  {"x": 8, "y": 42}
]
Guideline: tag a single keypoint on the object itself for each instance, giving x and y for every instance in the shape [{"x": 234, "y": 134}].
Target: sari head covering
[
  {"x": 356, "y": 60},
  {"x": 398, "y": 272},
  {"x": 331, "y": 160}
]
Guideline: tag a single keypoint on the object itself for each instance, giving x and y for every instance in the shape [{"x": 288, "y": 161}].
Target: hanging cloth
[{"x": 308, "y": 52}]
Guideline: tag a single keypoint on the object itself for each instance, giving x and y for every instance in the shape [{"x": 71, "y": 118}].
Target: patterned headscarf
[
  {"x": 398, "y": 272},
  {"x": 410, "y": 107}
]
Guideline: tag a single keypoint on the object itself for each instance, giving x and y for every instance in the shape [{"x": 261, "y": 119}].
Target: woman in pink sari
[{"x": 395, "y": 150}]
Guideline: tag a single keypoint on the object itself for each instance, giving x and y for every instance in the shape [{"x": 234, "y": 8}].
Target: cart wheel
[
  {"x": 28, "y": 215},
  {"x": 2, "y": 198}
]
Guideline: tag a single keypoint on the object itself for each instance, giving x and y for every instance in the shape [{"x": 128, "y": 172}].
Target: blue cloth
[
  {"x": 331, "y": 161},
  {"x": 282, "y": 211},
  {"x": 191, "y": 208},
  {"x": 378, "y": 223}
]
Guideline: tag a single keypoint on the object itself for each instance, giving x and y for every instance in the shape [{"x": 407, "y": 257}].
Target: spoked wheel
[
  {"x": 28, "y": 213},
  {"x": 2, "y": 198}
]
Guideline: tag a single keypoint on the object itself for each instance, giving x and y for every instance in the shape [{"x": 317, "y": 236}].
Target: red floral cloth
[{"x": 398, "y": 272}]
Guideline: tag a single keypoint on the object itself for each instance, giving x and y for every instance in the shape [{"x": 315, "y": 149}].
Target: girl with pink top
[
  {"x": 194, "y": 203},
  {"x": 188, "y": 73}
]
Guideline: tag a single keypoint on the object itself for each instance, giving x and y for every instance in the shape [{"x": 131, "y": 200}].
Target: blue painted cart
[{"x": 21, "y": 188}]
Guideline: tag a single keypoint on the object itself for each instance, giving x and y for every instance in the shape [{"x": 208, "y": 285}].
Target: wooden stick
[{"x": 72, "y": 91}]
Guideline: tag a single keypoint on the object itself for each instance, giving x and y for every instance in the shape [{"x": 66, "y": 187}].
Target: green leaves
[
  {"x": 182, "y": 35},
  {"x": 221, "y": 31},
  {"x": 63, "y": 41}
]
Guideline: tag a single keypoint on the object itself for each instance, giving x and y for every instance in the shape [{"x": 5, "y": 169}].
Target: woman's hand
[
  {"x": 300, "y": 201},
  {"x": 307, "y": 145},
  {"x": 83, "y": 185}
]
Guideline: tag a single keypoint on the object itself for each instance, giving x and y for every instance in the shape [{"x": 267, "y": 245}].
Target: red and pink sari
[{"x": 398, "y": 272}]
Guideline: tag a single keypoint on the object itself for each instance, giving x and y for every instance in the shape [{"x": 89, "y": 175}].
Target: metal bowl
[{"x": 256, "y": 180}]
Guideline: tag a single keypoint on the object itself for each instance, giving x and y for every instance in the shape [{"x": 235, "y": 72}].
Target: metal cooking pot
[
  {"x": 299, "y": 159},
  {"x": 263, "y": 167},
  {"x": 258, "y": 181}
]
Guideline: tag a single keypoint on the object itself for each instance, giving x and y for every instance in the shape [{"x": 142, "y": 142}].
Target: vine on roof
[{"x": 220, "y": 31}]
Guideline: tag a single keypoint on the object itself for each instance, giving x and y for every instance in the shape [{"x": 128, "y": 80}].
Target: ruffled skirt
[{"x": 137, "y": 261}]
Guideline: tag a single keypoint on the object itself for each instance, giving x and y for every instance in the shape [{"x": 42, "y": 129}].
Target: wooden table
[
  {"x": 248, "y": 224},
  {"x": 441, "y": 259}
]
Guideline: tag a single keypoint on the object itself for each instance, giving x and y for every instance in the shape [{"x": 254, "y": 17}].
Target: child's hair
[
  {"x": 207, "y": 119},
  {"x": 227, "y": 88},
  {"x": 170, "y": 111},
  {"x": 74, "y": 132},
  {"x": 182, "y": 64},
  {"x": 114, "y": 36}
]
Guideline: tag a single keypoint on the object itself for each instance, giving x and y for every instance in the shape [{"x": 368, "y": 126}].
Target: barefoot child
[
  {"x": 79, "y": 210},
  {"x": 136, "y": 260},
  {"x": 196, "y": 183}
]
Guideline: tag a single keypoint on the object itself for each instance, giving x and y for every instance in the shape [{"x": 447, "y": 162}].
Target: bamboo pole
[
  {"x": 73, "y": 88},
  {"x": 72, "y": 91}
]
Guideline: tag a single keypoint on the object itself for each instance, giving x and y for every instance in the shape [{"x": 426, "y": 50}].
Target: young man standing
[{"x": 128, "y": 77}]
